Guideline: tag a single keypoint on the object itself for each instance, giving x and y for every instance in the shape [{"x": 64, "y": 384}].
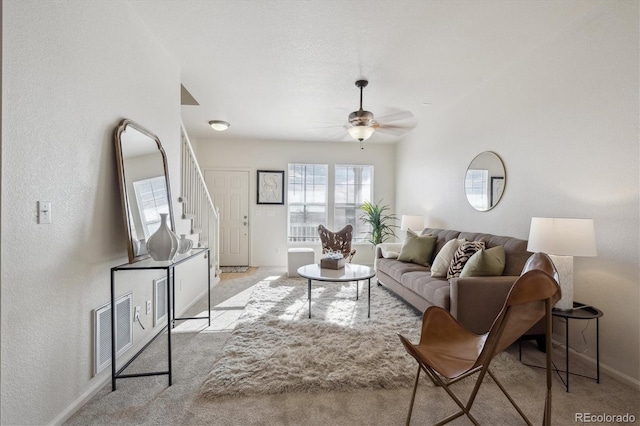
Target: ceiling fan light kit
[
  {"x": 219, "y": 125},
  {"x": 362, "y": 124},
  {"x": 361, "y": 132},
  {"x": 361, "y": 121}
]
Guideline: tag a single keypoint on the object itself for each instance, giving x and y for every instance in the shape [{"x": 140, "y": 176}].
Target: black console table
[{"x": 168, "y": 266}]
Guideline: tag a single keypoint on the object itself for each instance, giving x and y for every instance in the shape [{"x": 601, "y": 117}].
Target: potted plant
[{"x": 381, "y": 223}]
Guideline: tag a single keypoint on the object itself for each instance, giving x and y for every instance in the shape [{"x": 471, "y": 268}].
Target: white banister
[{"x": 197, "y": 205}]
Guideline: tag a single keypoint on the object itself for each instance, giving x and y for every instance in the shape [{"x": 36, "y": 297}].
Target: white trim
[
  {"x": 615, "y": 374},
  {"x": 71, "y": 409}
]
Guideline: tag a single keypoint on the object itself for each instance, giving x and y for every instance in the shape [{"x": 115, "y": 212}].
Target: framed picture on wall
[
  {"x": 270, "y": 186},
  {"x": 497, "y": 187}
]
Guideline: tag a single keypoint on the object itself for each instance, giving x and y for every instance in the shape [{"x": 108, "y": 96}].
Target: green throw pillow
[
  {"x": 417, "y": 248},
  {"x": 485, "y": 263}
]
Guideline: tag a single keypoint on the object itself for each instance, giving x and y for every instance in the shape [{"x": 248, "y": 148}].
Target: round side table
[{"x": 580, "y": 311}]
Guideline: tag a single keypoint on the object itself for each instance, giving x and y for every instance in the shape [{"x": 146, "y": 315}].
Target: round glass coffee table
[{"x": 350, "y": 272}]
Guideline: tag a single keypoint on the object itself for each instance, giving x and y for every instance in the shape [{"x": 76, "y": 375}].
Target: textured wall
[
  {"x": 71, "y": 71},
  {"x": 269, "y": 223},
  {"x": 564, "y": 118}
]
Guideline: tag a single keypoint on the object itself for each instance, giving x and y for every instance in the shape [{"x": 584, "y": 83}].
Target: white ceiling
[{"x": 285, "y": 69}]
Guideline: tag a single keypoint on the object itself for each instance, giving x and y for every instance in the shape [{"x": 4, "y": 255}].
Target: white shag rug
[{"x": 276, "y": 348}]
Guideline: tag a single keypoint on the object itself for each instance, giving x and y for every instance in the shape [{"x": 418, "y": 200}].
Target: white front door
[{"x": 229, "y": 190}]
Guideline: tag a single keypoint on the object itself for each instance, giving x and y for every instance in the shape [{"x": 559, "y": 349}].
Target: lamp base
[{"x": 564, "y": 265}]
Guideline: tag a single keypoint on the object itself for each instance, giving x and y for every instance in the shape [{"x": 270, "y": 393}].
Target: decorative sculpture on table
[
  {"x": 184, "y": 244},
  {"x": 332, "y": 260},
  {"x": 163, "y": 244}
]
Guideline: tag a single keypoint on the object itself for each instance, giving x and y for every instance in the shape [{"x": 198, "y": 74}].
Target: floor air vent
[{"x": 102, "y": 331}]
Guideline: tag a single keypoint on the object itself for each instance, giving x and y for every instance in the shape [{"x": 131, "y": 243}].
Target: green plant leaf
[{"x": 381, "y": 223}]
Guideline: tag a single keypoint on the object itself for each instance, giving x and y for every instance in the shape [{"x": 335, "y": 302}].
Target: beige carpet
[{"x": 149, "y": 401}]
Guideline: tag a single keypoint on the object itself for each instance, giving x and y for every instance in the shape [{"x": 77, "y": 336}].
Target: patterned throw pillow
[
  {"x": 464, "y": 252},
  {"x": 443, "y": 259}
]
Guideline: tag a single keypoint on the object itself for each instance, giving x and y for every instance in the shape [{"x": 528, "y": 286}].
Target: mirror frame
[
  {"x": 490, "y": 183},
  {"x": 126, "y": 209}
]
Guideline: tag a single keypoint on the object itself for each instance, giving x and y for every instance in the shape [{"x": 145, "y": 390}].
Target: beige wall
[
  {"x": 268, "y": 225},
  {"x": 72, "y": 70},
  {"x": 564, "y": 119}
]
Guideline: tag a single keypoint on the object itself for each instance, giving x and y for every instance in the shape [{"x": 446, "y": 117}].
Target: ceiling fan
[{"x": 363, "y": 124}]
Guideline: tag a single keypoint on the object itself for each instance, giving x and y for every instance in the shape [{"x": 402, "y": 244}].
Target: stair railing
[{"x": 197, "y": 205}]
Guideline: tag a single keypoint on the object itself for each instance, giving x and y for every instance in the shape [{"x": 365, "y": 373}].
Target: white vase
[
  {"x": 163, "y": 244},
  {"x": 184, "y": 244}
]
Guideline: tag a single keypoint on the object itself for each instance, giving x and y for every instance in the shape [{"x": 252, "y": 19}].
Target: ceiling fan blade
[
  {"x": 395, "y": 116},
  {"x": 391, "y": 131},
  {"x": 406, "y": 126}
]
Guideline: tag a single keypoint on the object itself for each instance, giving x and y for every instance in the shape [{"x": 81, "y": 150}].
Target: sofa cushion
[
  {"x": 417, "y": 248},
  {"x": 462, "y": 255},
  {"x": 515, "y": 250},
  {"x": 433, "y": 290},
  {"x": 444, "y": 257},
  {"x": 395, "y": 269},
  {"x": 443, "y": 235},
  {"x": 484, "y": 263}
]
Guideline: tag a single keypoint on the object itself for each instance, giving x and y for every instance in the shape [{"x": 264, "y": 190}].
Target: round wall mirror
[{"x": 484, "y": 181}]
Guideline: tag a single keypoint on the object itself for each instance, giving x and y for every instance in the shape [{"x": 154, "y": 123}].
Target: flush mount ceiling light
[{"x": 219, "y": 125}]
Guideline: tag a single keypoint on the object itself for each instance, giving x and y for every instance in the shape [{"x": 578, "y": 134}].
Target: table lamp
[
  {"x": 562, "y": 239},
  {"x": 415, "y": 223}
]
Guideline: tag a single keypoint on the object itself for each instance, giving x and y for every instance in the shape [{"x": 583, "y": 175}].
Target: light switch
[{"x": 44, "y": 212}]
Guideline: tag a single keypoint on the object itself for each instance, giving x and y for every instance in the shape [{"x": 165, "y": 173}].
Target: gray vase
[
  {"x": 184, "y": 244},
  {"x": 163, "y": 244}
]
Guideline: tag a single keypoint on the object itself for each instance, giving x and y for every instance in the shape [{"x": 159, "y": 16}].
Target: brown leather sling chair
[{"x": 448, "y": 352}]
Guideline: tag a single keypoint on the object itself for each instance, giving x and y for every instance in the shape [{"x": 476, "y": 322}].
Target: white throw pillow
[
  {"x": 390, "y": 250},
  {"x": 443, "y": 259}
]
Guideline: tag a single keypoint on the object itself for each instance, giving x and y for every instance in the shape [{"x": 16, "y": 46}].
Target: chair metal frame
[{"x": 538, "y": 267}]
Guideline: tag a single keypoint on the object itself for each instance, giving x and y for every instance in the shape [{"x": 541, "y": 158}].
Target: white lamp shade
[
  {"x": 562, "y": 237},
  {"x": 361, "y": 133},
  {"x": 415, "y": 223}
]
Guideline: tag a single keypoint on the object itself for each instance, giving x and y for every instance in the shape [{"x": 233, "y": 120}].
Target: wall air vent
[
  {"x": 160, "y": 300},
  {"x": 102, "y": 331}
]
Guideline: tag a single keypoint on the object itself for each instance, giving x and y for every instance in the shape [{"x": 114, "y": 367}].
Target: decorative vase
[
  {"x": 184, "y": 244},
  {"x": 163, "y": 244}
]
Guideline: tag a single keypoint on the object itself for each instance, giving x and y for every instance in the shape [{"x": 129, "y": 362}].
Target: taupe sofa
[{"x": 474, "y": 301}]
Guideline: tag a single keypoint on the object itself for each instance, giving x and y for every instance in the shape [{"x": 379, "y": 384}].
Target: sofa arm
[
  {"x": 477, "y": 301},
  {"x": 386, "y": 250}
]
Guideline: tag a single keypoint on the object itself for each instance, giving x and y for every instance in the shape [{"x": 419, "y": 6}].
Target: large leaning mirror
[
  {"x": 144, "y": 185},
  {"x": 484, "y": 181}
]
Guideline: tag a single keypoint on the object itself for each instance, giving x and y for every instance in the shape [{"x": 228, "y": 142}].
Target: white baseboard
[
  {"x": 83, "y": 399},
  {"x": 72, "y": 408},
  {"x": 618, "y": 375}
]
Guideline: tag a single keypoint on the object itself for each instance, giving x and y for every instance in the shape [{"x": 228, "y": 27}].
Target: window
[
  {"x": 309, "y": 195},
  {"x": 151, "y": 196},
  {"x": 476, "y": 188},
  {"x": 353, "y": 186},
  {"x": 307, "y": 200}
]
